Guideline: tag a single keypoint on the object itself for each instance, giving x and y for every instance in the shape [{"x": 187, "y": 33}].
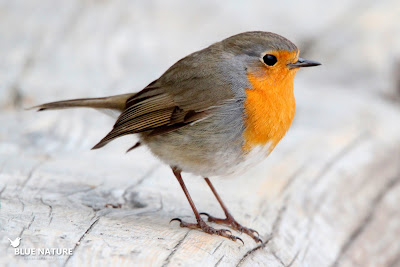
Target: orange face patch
[{"x": 270, "y": 104}]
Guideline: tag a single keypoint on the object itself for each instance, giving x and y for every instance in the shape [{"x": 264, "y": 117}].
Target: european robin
[{"x": 212, "y": 113}]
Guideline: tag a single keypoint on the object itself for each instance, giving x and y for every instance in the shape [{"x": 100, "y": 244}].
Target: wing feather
[{"x": 184, "y": 94}]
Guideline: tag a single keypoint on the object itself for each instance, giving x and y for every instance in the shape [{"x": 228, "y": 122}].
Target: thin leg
[
  {"x": 201, "y": 224},
  {"x": 229, "y": 220}
]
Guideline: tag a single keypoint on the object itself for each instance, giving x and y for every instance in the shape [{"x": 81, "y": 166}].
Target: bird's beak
[{"x": 301, "y": 62}]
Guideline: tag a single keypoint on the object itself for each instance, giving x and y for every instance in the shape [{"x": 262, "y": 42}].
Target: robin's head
[
  {"x": 261, "y": 66},
  {"x": 264, "y": 56}
]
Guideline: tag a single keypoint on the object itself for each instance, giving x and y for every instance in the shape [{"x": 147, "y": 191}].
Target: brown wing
[
  {"x": 183, "y": 94},
  {"x": 151, "y": 110}
]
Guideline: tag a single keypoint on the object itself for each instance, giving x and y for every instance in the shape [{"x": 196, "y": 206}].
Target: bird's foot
[
  {"x": 230, "y": 221},
  {"x": 208, "y": 229}
]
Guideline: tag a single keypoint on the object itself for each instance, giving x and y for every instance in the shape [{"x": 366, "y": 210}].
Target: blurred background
[
  {"x": 334, "y": 176},
  {"x": 57, "y": 49},
  {"x": 85, "y": 48}
]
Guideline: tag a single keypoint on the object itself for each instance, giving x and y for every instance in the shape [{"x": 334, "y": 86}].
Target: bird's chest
[{"x": 268, "y": 116}]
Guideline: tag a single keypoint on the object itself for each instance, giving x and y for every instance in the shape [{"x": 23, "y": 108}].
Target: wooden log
[{"x": 327, "y": 196}]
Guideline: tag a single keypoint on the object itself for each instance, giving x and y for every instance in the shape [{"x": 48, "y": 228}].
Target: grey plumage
[{"x": 193, "y": 115}]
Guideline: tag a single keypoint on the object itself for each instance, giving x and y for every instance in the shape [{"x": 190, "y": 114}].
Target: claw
[
  {"x": 238, "y": 238},
  {"x": 254, "y": 231},
  {"x": 234, "y": 225},
  {"x": 205, "y": 213},
  {"x": 175, "y": 219},
  {"x": 207, "y": 229},
  {"x": 227, "y": 230}
]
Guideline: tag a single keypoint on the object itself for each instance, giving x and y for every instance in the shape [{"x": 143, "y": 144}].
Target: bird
[
  {"x": 215, "y": 112},
  {"x": 14, "y": 243}
]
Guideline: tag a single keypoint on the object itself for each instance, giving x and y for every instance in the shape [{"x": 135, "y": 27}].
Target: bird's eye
[{"x": 270, "y": 60}]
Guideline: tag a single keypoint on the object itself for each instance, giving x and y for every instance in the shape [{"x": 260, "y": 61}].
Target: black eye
[{"x": 270, "y": 60}]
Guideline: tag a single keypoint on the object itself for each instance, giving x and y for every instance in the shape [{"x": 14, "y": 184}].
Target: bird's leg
[
  {"x": 229, "y": 220},
  {"x": 201, "y": 224}
]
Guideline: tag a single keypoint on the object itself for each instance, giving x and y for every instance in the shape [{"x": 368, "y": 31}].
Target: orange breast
[{"x": 269, "y": 108}]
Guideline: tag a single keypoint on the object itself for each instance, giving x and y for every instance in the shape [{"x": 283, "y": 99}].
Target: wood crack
[
  {"x": 219, "y": 261},
  {"x": 344, "y": 151},
  {"x": 278, "y": 258},
  {"x": 294, "y": 259},
  {"x": 88, "y": 230},
  {"x": 275, "y": 228},
  {"x": 364, "y": 223},
  {"x": 329, "y": 165},
  {"x": 307, "y": 238},
  {"x": 50, "y": 210},
  {"x": 22, "y": 204},
  {"x": 171, "y": 255},
  {"x": 250, "y": 252},
  {"x": 27, "y": 227},
  {"x": 281, "y": 261},
  {"x": 217, "y": 247},
  {"x": 30, "y": 174}
]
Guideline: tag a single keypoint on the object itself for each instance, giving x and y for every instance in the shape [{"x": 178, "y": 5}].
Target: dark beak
[{"x": 301, "y": 62}]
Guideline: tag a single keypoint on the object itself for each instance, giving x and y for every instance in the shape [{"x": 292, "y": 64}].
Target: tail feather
[{"x": 117, "y": 102}]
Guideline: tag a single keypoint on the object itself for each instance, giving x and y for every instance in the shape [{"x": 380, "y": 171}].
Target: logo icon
[{"x": 14, "y": 243}]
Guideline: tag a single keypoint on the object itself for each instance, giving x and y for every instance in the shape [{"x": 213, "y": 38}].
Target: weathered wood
[{"x": 327, "y": 196}]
